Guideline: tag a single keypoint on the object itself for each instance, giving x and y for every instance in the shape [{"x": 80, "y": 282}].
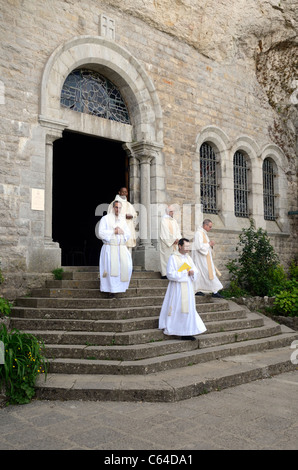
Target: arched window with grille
[
  {"x": 208, "y": 179},
  {"x": 268, "y": 190},
  {"x": 87, "y": 91},
  {"x": 240, "y": 185}
]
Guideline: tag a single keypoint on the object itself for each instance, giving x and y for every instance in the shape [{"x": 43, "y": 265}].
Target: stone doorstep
[{"x": 168, "y": 386}]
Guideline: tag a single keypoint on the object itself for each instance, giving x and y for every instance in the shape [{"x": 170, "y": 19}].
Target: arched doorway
[
  {"x": 143, "y": 137},
  {"x": 87, "y": 172}
]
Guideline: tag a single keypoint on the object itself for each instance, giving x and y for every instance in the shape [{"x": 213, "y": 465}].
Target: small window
[
  {"x": 268, "y": 190},
  {"x": 240, "y": 185},
  {"x": 86, "y": 91},
  {"x": 208, "y": 179}
]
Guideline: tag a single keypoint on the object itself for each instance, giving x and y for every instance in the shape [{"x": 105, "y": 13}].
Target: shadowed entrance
[{"x": 87, "y": 171}]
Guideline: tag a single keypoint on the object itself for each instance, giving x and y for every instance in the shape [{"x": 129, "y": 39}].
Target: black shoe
[
  {"x": 200, "y": 293},
  {"x": 111, "y": 295},
  {"x": 164, "y": 277},
  {"x": 190, "y": 338},
  {"x": 217, "y": 296}
]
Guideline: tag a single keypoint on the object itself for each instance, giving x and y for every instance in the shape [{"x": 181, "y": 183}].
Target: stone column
[{"x": 144, "y": 153}]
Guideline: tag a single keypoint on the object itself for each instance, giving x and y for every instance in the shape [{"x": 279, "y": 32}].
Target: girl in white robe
[{"x": 178, "y": 314}]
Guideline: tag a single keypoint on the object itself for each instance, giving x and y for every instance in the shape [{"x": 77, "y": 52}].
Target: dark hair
[{"x": 182, "y": 240}]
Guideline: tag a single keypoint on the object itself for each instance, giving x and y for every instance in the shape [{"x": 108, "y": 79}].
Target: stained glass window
[
  {"x": 86, "y": 91},
  {"x": 240, "y": 185},
  {"x": 268, "y": 190},
  {"x": 208, "y": 179}
]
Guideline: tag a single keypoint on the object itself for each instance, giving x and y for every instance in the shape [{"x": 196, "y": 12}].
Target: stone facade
[{"x": 181, "y": 88}]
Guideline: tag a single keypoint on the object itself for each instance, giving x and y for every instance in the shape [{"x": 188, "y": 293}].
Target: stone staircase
[{"x": 111, "y": 349}]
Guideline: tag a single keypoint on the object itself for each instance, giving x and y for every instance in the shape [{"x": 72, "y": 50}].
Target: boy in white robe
[
  {"x": 169, "y": 236},
  {"x": 115, "y": 263},
  {"x": 202, "y": 247},
  {"x": 130, "y": 215},
  {"x": 178, "y": 314}
]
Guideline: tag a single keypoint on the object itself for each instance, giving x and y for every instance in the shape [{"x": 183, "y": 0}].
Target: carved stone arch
[{"x": 119, "y": 66}]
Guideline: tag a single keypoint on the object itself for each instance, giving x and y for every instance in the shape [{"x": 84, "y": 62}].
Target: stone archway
[{"x": 143, "y": 139}]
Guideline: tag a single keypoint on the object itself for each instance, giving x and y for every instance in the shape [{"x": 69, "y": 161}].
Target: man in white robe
[
  {"x": 115, "y": 263},
  {"x": 202, "y": 247},
  {"x": 169, "y": 236},
  {"x": 178, "y": 314},
  {"x": 128, "y": 211}
]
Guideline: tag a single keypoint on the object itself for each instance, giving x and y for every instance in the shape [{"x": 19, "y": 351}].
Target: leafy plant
[
  {"x": 23, "y": 362},
  {"x": 286, "y": 301},
  {"x": 257, "y": 268},
  {"x": 58, "y": 273},
  {"x": 5, "y": 306}
]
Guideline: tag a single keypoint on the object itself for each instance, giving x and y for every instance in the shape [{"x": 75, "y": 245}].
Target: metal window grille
[
  {"x": 208, "y": 179},
  {"x": 240, "y": 185},
  {"x": 86, "y": 91},
  {"x": 268, "y": 190}
]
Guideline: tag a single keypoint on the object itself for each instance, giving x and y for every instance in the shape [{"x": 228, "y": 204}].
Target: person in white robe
[
  {"x": 202, "y": 248},
  {"x": 178, "y": 315},
  {"x": 128, "y": 211},
  {"x": 115, "y": 263},
  {"x": 169, "y": 236}
]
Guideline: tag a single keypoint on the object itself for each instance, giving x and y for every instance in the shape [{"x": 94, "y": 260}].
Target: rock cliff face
[{"x": 259, "y": 33}]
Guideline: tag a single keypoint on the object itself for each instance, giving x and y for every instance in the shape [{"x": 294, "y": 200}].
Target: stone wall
[{"x": 202, "y": 63}]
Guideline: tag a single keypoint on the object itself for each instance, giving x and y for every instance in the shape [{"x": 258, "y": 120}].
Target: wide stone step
[
  {"x": 96, "y": 294},
  {"x": 223, "y": 332},
  {"x": 95, "y": 284},
  {"x": 175, "y": 360},
  {"x": 226, "y": 369},
  {"x": 93, "y": 275},
  {"x": 38, "y": 318},
  {"x": 215, "y": 321},
  {"x": 93, "y": 303}
]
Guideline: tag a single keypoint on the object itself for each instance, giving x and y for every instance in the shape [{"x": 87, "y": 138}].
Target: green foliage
[
  {"x": 23, "y": 362},
  {"x": 58, "y": 272},
  {"x": 257, "y": 268},
  {"x": 294, "y": 270},
  {"x": 286, "y": 301},
  {"x": 5, "y": 306}
]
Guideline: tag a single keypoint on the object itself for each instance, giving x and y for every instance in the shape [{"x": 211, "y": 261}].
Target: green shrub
[
  {"x": 257, "y": 268},
  {"x": 23, "y": 362},
  {"x": 58, "y": 273},
  {"x": 5, "y": 306},
  {"x": 286, "y": 301}
]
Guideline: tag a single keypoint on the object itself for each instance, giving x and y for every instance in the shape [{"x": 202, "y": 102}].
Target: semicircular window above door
[{"x": 86, "y": 91}]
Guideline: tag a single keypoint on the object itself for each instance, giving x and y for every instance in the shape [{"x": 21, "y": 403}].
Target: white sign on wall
[{"x": 37, "y": 199}]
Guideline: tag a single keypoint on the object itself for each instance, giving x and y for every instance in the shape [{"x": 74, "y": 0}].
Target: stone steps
[
  {"x": 170, "y": 385},
  {"x": 112, "y": 347}
]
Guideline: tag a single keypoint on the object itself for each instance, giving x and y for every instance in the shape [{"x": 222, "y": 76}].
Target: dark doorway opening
[{"x": 87, "y": 171}]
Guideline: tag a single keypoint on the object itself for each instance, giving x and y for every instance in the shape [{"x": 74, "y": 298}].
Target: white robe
[
  {"x": 114, "y": 249},
  {"x": 172, "y": 319},
  {"x": 127, "y": 208},
  {"x": 169, "y": 232},
  {"x": 207, "y": 280}
]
